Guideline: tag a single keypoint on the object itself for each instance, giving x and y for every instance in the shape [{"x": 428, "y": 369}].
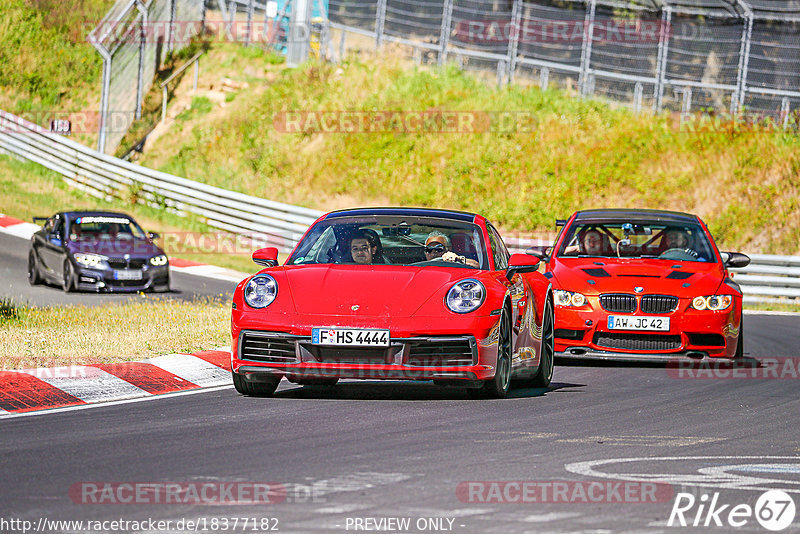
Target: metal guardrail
[
  {"x": 770, "y": 277},
  {"x": 274, "y": 223}
]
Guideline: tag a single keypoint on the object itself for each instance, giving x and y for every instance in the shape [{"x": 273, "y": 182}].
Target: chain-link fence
[
  {"x": 276, "y": 23},
  {"x": 725, "y": 56},
  {"x": 133, "y": 39}
]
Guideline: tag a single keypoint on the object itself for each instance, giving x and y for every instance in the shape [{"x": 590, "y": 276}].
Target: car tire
[
  {"x": 544, "y": 375},
  {"x": 68, "y": 278},
  {"x": 34, "y": 278},
  {"x": 739, "y": 355},
  {"x": 498, "y": 386},
  {"x": 255, "y": 389}
]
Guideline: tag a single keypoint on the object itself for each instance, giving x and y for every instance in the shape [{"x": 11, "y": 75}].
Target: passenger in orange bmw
[{"x": 590, "y": 242}]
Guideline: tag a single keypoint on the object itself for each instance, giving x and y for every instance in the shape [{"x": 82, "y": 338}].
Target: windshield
[
  {"x": 391, "y": 240},
  {"x": 620, "y": 239},
  {"x": 104, "y": 227}
]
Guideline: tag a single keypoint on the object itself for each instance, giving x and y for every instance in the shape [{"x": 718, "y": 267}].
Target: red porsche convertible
[
  {"x": 643, "y": 284},
  {"x": 399, "y": 294}
]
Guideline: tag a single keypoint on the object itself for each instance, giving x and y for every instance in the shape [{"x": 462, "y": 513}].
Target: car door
[{"x": 51, "y": 248}]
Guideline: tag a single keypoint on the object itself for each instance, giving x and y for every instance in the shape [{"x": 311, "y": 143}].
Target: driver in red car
[
  {"x": 676, "y": 239},
  {"x": 437, "y": 246}
]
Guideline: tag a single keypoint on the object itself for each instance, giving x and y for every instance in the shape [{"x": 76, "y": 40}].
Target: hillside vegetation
[
  {"x": 743, "y": 180},
  {"x": 44, "y": 53}
]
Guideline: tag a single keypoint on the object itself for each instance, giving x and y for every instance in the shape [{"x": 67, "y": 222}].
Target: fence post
[
  {"x": 164, "y": 96},
  {"x": 172, "y": 12},
  {"x": 101, "y": 134},
  {"x": 686, "y": 108},
  {"x": 380, "y": 21},
  {"x": 299, "y": 33},
  {"x": 638, "y": 89},
  {"x": 444, "y": 35},
  {"x": 744, "y": 60},
  {"x": 586, "y": 48},
  {"x": 513, "y": 42},
  {"x": 250, "y": 9},
  {"x": 785, "y": 110},
  {"x": 661, "y": 63},
  {"x": 544, "y": 78},
  {"x": 142, "y": 42},
  {"x": 342, "y": 39},
  {"x": 229, "y": 28},
  {"x": 501, "y": 71}
]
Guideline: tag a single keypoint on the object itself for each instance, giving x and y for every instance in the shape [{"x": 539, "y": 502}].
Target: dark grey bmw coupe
[{"x": 96, "y": 251}]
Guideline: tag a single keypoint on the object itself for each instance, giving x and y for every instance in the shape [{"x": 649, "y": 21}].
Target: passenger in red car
[
  {"x": 590, "y": 242},
  {"x": 362, "y": 250}
]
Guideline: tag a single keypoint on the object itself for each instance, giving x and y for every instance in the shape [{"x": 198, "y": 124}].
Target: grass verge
[{"x": 78, "y": 335}]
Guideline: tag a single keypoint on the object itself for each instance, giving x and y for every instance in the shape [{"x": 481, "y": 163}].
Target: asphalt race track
[
  {"x": 14, "y": 283},
  {"x": 608, "y": 448},
  {"x": 392, "y": 452}
]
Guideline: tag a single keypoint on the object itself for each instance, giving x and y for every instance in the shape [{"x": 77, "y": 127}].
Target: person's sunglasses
[{"x": 434, "y": 247}]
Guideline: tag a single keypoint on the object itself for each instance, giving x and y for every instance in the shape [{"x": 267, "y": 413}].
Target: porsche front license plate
[
  {"x": 350, "y": 337},
  {"x": 127, "y": 275},
  {"x": 630, "y": 322}
]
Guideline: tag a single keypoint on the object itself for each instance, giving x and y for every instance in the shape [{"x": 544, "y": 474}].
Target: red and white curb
[
  {"x": 30, "y": 390},
  {"x": 16, "y": 227}
]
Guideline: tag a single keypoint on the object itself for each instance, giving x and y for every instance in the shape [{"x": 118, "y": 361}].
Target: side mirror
[
  {"x": 266, "y": 256},
  {"x": 153, "y": 235},
  {"x": 521, "y": 263},
  {"x": 735, "y": 259},
  {"x": 539, "y": 251}
]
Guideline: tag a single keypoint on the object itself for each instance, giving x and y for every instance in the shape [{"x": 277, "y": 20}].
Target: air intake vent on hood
[
  {"x": 679, "y": 275},
  {"x": 597, "y": 272}
]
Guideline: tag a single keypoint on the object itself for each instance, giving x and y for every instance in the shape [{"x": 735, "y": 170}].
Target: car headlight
[
  {"x": 465, "y": 296},
  {"x": 569, "y": 298},
  {"x": 159, "y": 260},
  {"x": 712, "y": 302},
  {"x": 90, "y": 260},
  {"x": 260, "y": 291}
]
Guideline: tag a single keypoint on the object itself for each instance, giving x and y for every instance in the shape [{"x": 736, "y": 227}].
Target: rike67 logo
[{"x": 774, "y": 510}]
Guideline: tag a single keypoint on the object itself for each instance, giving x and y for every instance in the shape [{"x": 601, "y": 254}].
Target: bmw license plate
[
  {"x": 127, "y": 275},
  {"x": 350, "y": 337},
  {"x": 631, "y": 322}
]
